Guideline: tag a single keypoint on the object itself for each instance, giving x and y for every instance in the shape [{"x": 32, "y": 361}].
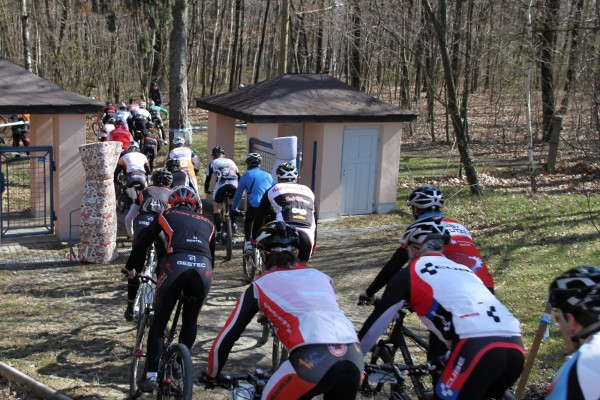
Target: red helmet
[{"x": 184, "y": 195}]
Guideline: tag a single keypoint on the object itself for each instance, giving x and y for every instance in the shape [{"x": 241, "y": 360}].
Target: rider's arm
[
  {"x": 259, "y": 215},
  {"x": 196, "y": 162},
  {"x": 393, "y": 299},
  {"x": 208, "y": 176},
  {"x": 245, "y": 309},
  {"x": 394, "y": 264}
]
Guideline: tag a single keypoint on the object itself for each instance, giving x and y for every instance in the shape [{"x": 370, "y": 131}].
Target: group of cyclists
[{"x": 475, "y": 341}]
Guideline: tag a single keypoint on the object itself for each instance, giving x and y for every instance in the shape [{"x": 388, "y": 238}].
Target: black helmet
[
  {"x": 122, "y": 105},
  {"x": 172, "y": 164},
  {"x": 421, "y": 231},
  {"x": 287, "y": 172},
  {"x": 253, "y": 159},
  {"x": 276, "y": 237},
  {"x": 162, "y": 177},
  {"x": 217, "y": 150},
  {"x": 112, "y": 120},
  {"x": 184, "y": 195},
  {"x": 577, "y": 291},
  {"x": 426, "y": 197}
]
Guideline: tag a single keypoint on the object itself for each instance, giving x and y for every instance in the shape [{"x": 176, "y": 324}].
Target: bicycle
[
  {"x": 420, "y": 374},
  {"x": 278, "y": 353},
  {"x": 144, "y": 299},
  {"x": 253, "y": 387},
  {"x": 393, "y": 375},
  {"x": 175, "y": 371},
  {"x": 124, "y": 195},
  {"x": 227, "y": 237},
  {"x": 251, "y": 263}
]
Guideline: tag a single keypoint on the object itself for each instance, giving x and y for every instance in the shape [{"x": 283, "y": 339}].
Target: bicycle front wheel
[
  {"x": 138, "y": 361},
  {"x": 176, "y": 380}
]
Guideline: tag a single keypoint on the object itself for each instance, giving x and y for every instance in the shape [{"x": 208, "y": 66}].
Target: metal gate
[{"x": 27, "y": 206}]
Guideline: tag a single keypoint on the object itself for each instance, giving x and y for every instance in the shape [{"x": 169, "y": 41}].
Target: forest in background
[{"x": 441, "y": 57}]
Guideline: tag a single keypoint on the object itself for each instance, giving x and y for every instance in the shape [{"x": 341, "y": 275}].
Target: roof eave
[{"x": 37, "y": 109}]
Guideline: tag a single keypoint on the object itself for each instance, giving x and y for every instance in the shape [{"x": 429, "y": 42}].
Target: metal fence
[{"x": 26, "y": 203}]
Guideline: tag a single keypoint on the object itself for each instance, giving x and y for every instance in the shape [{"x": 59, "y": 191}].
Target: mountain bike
[
  {"x": 175, "y": 370},
  {"x": 242, "y": 386},
  {"x": 124, "y": 195},
  {"x": 251, "y": 263},
  {"x": 400, "y": 337},
  {"x": 144, "y": 299},
  {"x": 278, "y": 353}
]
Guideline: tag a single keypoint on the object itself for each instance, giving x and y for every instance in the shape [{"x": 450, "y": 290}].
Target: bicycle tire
[
  {"x": 279, "y": 354},
  {"x": 95, "y": 127},
  {"x": 249, "y": 265},
  {"x": 175, "y": 384},
  {"x": 266, "y": 332},
  {"x": 136, "y": 369},
  {"x": 4, "y": 131},
  {"x": 229, "y": 230}
]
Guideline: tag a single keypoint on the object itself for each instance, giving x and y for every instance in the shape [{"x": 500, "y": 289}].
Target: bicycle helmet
[
  {"x": 142, "y": 104},
  {"x": 172, "y": 164},
  {"x": 420, "y": 232},
  {"x": 133, "y": 146},
  {"x": 577, "y": 291},
  {"x": 122, "y": 105},
  {"x": 184, "y": 195},
  {"x": 162, "y": 177},
  {"x": 151, "y": 103},
  {"x": 287, "y": 172},
  {"x": 217, "y": 150},
  {"x": 426, "y": 197},
  {"x": 112, "y": 120},
  {"x": 253, "y": 159},
  {"x": 178, "y": 141},
  {"x": 277, "y": 237}
]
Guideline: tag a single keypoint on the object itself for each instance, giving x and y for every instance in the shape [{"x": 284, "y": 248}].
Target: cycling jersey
[
  {"x": 293, "y": 204},
  {"x": 255, "y": 182},
  {"x": 120, "y": 134},
  {"x": 134, "y": 162},
  {"x": 226, "y": 173},
  {"x": 461, "y": 249},
  {"x": 579, "y": 377},
  {"x": 299, "y": 302},
  {"x": 188, "y": 160},
  {"x": 122, "y": 115},
  {"x": 151, "y": 200},
  {"x": 465, "y": 315}
]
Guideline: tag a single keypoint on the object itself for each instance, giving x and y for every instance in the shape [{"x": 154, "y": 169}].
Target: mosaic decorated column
[{"x": 98, "y": 227}]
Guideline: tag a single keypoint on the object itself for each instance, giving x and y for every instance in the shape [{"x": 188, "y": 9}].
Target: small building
[
  {"x": 58, "y": 122},
  {"x": 350, "y": 140}
]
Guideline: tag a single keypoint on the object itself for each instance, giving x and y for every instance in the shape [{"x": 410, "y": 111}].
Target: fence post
[{"x": 553, "y": 144}]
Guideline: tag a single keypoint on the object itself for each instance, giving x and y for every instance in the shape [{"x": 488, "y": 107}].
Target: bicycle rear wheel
[
  {"x": 249, "y": 265},
  {"x": 136, "y": 370},
  {"x": 229, "y": 242},
  {"x": 176, "y": 378},
  {"x": 279, "y": 354}
]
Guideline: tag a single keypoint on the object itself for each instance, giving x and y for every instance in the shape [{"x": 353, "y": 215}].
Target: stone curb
[{"x": 35, "y": 387}]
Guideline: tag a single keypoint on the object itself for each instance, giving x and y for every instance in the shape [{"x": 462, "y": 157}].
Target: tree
[
  {"x": 548, "y": 23},
  {"x": 439, "y": 28},
  {"x": 178, "y": 95}
]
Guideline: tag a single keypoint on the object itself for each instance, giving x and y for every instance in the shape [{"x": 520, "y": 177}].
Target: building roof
[
  {"x": 303, "y": 98},
  {"x": 22, "y": 91}
]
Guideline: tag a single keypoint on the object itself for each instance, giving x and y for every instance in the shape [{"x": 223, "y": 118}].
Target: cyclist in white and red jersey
[
  {"x": 123, "y": 114},
  {"x": 135, "y": 167},
  {"x": 486, "y": 353},
  {"x": 575, "y": 296},
  {"x": 227, "y": 176},
  {"x": 324, "y": 354},
  {"x": 293, "y": 204}
]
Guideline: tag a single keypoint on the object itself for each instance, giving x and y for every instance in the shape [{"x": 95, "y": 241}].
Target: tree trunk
[
  {"x": 178, "y": 96},
  {"x": 573, "y": 53},
  {"x": 355, "y": 69},
  {"x": 452, "y": 106},
  {"x": 548, "y": 43},
  {"x": 529, "y": 73},
  {"x": 26, "y": 41},
  {"x": 233, "y": 83},
  {"x": 261, "y": 44},
  {"x": 284, "y": 38}
]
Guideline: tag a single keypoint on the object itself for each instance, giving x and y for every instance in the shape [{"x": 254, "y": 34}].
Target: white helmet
[
  {"x": 178, "y": 141},
  {"x": 142, "y": 104}
]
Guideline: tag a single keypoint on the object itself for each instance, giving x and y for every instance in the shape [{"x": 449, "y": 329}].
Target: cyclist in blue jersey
[
  {"x": 255, "y": 182},
  {"x": 575, "y": 296}
]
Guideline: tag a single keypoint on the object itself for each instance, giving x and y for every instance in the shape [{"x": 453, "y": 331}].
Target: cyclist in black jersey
[
  {"x": 146, "y": 207},
  {"x": 188, "y": 270},
  {"x": 180, "y": 177}
]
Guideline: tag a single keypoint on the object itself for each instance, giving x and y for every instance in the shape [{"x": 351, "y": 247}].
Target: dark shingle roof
[
  {"x": 24, "y": 92},
  {"x": 303, "y": 98}
]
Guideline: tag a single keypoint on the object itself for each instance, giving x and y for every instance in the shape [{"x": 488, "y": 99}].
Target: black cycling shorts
[{"x": 222, "y": 191}]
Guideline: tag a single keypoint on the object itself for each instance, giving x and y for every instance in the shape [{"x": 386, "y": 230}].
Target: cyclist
[
  {"x": 155, "y": 111},
  {"x": 188, "y": 270},
  {"x": 575, "y": 296},
  {"x": 121, "y": 134},
  {"x": 106, "y": 129},
  {"x": 293, "y": 204},
  {"x": 188, "y": 160},
  {"x": 146, "y": 207},
  {"x": 135, "y": 167},
  {"x": 324, "y": 356},
  {"x": 486, "y": 354},
  {"x": 156, "y": 95},
  {"x": 150, "y": 143},
  {"x": 139, "y": 120},
  {"x": 19, "y": 132},
  {"x": 255, "y": 182},
  {"x": 123, "y": 114},
  {"x": 180, "y": 178},
  {"x": 109, "y": 112},
  {"x": 226, "y": 182}
]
